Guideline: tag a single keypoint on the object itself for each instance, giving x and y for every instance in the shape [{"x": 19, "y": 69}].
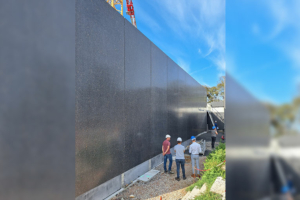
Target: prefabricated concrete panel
[
  {"x": 159, "y": 112},
  {"x": 172, "y": 101},
  {"x": 37, "y": 90},
  {"x": 182, "y": 105},
  {"x": 157, "y": 160},
  {"x": 129, "y": 95},
  {"x": 135, "y": 172},
  {"x": 99, "y": 94},
  {"x": 137, "y": 97},
  {"x": 104, "y": 190},
  {"x": 247, "y": 130},
  {"x": 202, "y": 117},
  {"x": 195, "y": 107},
  {"x": 149, "y": 175}
]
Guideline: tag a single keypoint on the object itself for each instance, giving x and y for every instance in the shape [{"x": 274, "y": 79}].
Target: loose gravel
[{"x": 164, "y": 185}]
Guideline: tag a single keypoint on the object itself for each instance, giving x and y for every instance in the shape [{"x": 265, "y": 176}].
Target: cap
[
  {"x": 215, "y": 121},
  {"x": 167, "y": 136},
  {"x": 193, "y": 138},
  {"x": 213, "y": 127},
  {"x": 179, "y": 139}
]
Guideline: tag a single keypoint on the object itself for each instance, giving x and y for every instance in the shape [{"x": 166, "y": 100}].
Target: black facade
[{"x": 129, "y": 95}]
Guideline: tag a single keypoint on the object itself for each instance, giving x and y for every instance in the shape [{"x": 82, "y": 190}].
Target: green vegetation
[
  {"x": 209, "y": 196},
  {"x": 214, "y": 158},
  {"x": 282, "y": 116},
  {"x": 216, "y": 93}
]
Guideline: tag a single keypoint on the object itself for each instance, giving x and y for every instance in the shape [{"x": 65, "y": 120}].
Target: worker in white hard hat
[
  {"x": 180, "y": 160},
  {"x": 167, "y": 154}
]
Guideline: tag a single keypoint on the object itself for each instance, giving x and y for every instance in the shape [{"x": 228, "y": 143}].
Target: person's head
[
  {"x": 216, "y": 121},
  {"x": 213, "y": 127},
  {"x": 168, "y": 137},
  {"x": 179, "y": 140},
  {"x": 193, "y": 138}
]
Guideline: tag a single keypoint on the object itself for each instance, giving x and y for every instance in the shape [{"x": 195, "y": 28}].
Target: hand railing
[{"x": 218, "y": 114}]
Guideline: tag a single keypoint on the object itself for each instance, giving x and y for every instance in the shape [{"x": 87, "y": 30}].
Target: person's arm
[
  {"x": 216, "y": 131},
  {"x": 199, "y": 148},
  {"x": 190, "y": 149},
  {"x": 162, "y": 149},
  {"x": 167, "y": 150}
]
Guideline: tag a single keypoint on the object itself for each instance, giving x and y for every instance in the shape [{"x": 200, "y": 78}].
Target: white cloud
[
  {"x": 286, "y": 17},
  {"x": 202, "y": 69},
  {"x": 285, "y": 32},
  {"x": 185, "y": 66},
  {"x": 145, "y": 18},
  {"x": 201, "y": 21}
]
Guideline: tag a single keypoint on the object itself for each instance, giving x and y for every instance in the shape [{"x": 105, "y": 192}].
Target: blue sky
[
  {"x": 262, "y": 41},
  {"x": 192, "y": 33},
  {"x": 263, "y": 47}
]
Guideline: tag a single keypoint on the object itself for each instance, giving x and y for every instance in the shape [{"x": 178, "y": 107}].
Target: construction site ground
[{"x": 164, "y": 185}]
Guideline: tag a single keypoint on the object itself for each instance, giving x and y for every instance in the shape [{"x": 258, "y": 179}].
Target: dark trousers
[
  {"x": 180, "y": 162},
  {"x": 213, "y": 140},
  {"x": 166, "y": 157}
]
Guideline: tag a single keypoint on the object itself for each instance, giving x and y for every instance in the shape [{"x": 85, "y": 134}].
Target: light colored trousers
[{"x": 195, "y": 159}]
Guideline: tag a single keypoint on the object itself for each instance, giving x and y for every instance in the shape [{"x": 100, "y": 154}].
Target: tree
[
  {"x": 216, "y": 93},
  {"x": 282, "y": 116}
]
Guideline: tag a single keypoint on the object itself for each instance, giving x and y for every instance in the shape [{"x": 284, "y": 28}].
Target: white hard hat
[
  {"x": 167, "y": 136},
  {"x": 179, "y": 139}
]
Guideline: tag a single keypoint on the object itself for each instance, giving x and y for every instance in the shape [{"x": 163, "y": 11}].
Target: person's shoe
[
  {"x": 193, "y": 175},
  {"x": 184, "y": 178},
  {"x": 198, "y": 175},
  {"x": 170, "y": 172},
  {"x": 177, "y": 179},
  {"x": 166, "y": 171}
]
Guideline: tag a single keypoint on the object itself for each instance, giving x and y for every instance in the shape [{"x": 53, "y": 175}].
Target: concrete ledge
[
  {"x": 135, "y": 172},
  {"x": 157, "y": 160},
  {"x": 112, "y": 186},
  {"x": 103, "y": 190}
]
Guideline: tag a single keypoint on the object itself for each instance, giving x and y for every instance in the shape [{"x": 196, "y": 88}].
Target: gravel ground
[{"x": 164, "y": 185}]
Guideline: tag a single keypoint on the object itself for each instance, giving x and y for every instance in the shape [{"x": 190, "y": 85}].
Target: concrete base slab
[
  {"x": 135, "y": 172},
  {"x": 103, "y": 190},
  {"x": 114, "y": 185},
  {"x": 157, "y": 160},
  {"x": 148, "y": 176}
]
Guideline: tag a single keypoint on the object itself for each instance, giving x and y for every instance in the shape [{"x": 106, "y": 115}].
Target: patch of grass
[
  {"x": 208, "y": 196},
  {"x": 214, "y": 158}
]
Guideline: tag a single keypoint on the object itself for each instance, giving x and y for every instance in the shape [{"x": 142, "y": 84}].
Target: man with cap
[
  {"x": 195, "y": 149},
  {"x": 179, "y": 151},
  {"x": 167, "y": 154},
  {"x": 214, "y": 134}
]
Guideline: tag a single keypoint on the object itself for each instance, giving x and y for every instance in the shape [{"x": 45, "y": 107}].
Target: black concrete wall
[
  {"x": 129, "y": 95},
  {"x": 248, "y": 167},
  {"x": 37, "y": 100}
]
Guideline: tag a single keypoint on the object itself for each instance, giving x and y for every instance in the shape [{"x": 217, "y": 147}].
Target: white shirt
[{"x": 195, "y": 148}]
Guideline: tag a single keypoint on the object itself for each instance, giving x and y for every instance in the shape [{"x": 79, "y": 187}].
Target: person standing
[
  {"x": 216, "y": 125},
  {"x": 167, "y": 154},
  {"x": 214, "y": 134},
  {"x": 195, "y": 149},
  {"x": 180, "y": 160}
]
